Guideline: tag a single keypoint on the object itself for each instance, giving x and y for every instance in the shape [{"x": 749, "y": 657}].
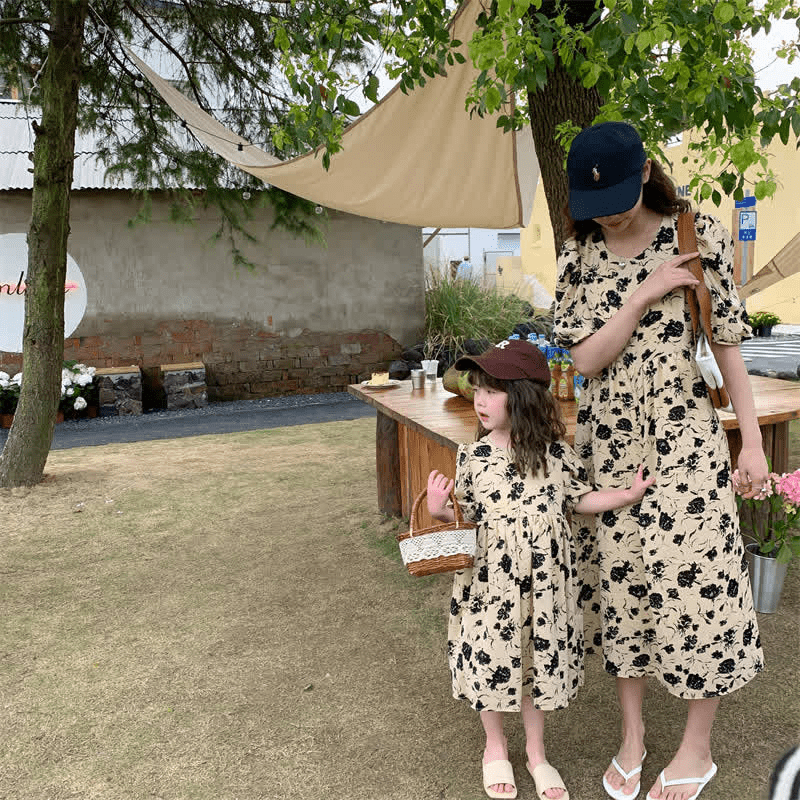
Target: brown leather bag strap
[{"x": 697, "y": 297}]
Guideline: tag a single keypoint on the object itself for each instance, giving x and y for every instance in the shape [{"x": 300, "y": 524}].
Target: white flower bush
[
  {"x": 78, "y": 389},
  {"x": 9, "y": 392},
  {"x": 77, "y": 384}
]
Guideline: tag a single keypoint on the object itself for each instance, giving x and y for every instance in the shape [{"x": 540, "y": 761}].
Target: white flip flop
[
  {"x": 618, "y": 794},
  {"x": 701, "y": 782}
]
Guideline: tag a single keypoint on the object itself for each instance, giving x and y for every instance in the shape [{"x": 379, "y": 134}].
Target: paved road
[
  {"x": 774, "y": 356},
  {"x": 247, "y": 415}
]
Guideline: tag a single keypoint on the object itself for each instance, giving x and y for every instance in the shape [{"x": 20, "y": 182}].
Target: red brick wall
[{"x": 241, "y": 361}]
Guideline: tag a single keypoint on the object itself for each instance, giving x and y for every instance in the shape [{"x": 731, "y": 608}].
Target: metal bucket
[{"x": 766, "y": 579}]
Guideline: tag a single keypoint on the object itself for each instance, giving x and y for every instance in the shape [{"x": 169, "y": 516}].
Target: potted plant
[
  {"x": 762, "y": 322},
  {"x": 772, "y": 524}
]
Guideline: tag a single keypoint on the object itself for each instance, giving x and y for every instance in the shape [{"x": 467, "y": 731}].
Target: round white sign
[{"x": 13, "y": 269}]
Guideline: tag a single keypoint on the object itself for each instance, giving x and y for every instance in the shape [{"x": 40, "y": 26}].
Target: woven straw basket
[{"x": 447, "y": 547}]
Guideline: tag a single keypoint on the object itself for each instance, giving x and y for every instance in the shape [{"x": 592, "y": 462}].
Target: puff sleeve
[
  {"x": 715, "y": 245},
  {"x": 574, "y": 318},
  {"x": 575, "y": 478},
  {"x": 464, "y": 489}
]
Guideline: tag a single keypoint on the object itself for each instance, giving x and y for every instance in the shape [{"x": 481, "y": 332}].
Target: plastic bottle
[
  {"x": 578, "y": 386},
  {"x": 565, "y": 388},
  {"x": 555, "y": 376}
]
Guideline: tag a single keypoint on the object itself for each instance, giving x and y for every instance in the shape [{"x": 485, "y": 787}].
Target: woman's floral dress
[
  {"x": 515, "y": 625},
  {"x": 667, "y": 576}
]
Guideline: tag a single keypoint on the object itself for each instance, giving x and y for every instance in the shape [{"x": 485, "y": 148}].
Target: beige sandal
[
  {"x": 495, "y": 772},
  {"x": 546, "y": 776}
]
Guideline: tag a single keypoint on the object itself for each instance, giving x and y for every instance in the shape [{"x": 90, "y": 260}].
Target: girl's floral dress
[
  {"x": 515, "y": 626},
  {"x": 667, "y": 576}
]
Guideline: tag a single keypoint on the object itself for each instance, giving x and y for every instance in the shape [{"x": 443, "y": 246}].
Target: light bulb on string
[
  {"x": 138, "y": 83},
  {"x": 245, "y": 195},
  {"x": 318, "y": 210}
]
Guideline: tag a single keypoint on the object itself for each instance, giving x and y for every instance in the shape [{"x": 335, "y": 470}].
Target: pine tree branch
[{"x": 24, "y": 21}]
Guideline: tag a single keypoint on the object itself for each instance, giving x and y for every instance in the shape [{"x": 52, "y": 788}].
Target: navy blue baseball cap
[{"x": 604, "y": 167}]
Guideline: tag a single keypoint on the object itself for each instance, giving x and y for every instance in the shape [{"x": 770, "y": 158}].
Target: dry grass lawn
[{"x": 227, "y": 617}]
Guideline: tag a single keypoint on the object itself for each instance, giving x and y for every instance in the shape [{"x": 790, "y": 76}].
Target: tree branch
[{"x": 24, "y": 21}]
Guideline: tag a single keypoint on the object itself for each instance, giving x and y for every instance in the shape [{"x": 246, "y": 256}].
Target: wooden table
[{"x": 420, "y": 430}]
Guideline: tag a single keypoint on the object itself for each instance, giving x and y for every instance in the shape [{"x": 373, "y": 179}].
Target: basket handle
[{"x": 419, "y": 498}]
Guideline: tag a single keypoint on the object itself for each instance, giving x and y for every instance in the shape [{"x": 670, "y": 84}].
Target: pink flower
[{"x": 789, "y": 487}]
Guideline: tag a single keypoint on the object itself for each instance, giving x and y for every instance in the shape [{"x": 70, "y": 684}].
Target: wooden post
[{"x": 387, "y": 463}]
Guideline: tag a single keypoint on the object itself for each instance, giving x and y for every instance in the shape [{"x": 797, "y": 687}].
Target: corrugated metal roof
[{"x": 16, "y": 142}]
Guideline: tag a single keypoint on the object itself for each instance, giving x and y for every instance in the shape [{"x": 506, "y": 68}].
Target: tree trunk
[
  {"x": 25, "y": 454},
  {"x": 563, "y": 99}
]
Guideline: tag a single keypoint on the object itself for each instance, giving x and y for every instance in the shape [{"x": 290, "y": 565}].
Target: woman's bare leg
[
  {"x": 693, "y": 758},
  {"x": 630, "y": 692}
]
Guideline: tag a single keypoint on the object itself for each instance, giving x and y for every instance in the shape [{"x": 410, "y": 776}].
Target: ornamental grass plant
[{"x": 457, "y": 310}]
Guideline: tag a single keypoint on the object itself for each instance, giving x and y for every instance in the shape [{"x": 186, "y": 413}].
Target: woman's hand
[
  {"x": 751, "y": 473},
  {"x": 665, "y": 277},
  {"x": 439, "y": 489}
]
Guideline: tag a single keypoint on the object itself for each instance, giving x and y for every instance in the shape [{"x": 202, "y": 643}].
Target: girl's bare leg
[
  {"x": 533, "y": 720},
  {"x": 496, "y": 744},
  {"x": 693, "y": 758},
  {"x": 630, "y": 692}
]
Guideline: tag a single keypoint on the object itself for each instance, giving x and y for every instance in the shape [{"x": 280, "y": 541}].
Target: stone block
[
  {"x": 120, "y": 390},
  {"x": 184, "y": 385}
]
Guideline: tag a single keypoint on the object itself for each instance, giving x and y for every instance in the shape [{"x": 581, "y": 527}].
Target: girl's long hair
[
  {"x": 535, "y": 419},
  {"x": 658, "y": 194}
]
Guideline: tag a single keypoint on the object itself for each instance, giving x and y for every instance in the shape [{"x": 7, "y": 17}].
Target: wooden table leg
[
  {"x": 387, "y": 461},
  {"x": 780, "y": 447}
]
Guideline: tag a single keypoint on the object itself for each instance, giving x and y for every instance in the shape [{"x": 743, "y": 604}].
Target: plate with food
[{"x": 380, "y": 381}]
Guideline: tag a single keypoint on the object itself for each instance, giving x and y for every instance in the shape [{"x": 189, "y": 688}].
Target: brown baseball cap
[{"x": 510, "y": 360}]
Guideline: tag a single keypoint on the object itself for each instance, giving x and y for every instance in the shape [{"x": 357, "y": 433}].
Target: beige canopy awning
[
  {"x": 416, "y": 159},
  {"x": 784, "y": 263}
]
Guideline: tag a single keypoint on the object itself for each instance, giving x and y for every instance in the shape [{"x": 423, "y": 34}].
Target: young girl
[{"x": 515, "y": 638}]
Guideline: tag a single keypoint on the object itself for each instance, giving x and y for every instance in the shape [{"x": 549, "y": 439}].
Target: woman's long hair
[
  {"x": 535, "y": 419},
  {"x": 658, "y": 194}
]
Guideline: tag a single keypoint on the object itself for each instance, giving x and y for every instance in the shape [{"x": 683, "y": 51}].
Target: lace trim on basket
[{"x": 440, "y": 543}]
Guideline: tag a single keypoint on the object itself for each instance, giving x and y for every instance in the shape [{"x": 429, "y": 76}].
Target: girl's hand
[
  {"x": 666, "y": 277},
  {"x": 439, "y": 488},
  {"x": 640, "y": 484},
  {"x": 751, "y": 473}
]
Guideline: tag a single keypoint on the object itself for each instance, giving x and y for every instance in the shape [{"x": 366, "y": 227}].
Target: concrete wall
[{"x": 308, "y": 318}]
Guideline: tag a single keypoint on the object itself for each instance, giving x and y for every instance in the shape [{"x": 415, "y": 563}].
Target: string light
[{"x": 245, "y": 195}]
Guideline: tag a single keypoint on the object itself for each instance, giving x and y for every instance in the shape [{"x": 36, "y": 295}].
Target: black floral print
[
  {"x": 515, "y": 627},
  {"x": 674, "y": 600}
]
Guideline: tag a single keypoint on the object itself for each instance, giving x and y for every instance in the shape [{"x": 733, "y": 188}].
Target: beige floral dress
[
  {"x": 515, "y": 626},
  {"x": 666, "y": 576}
]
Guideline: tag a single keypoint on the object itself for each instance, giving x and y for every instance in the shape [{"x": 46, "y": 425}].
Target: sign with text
[
  {"x": 745, "y": 202},
  {"x": 747, "y": 226},
  {"x": 13, "y": 269}
]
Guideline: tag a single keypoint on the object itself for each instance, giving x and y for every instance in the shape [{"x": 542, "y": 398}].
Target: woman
[{"x": 668, "y": 575}]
